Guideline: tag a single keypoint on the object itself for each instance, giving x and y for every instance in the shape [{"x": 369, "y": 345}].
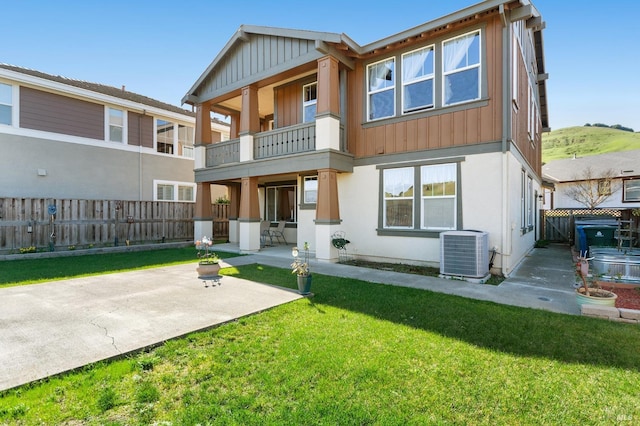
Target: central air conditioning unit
[{"x": 464, "y": 254}]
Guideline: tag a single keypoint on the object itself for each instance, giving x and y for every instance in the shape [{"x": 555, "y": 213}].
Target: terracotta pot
[
  {"x": 208, "y": 269},
  {"x": 602, "y": 297}
]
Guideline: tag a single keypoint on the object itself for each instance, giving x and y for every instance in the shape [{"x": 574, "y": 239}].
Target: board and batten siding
[
  {"x": 50, "y": 112},
  {"x": 456, "y": 127}
]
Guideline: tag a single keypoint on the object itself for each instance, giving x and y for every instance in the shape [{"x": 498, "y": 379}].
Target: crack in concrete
[{"x": 106, "y": 333}]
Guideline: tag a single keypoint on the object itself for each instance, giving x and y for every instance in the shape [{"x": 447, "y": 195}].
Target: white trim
[
  {"x": 368, "y": 92},
  {"x": 107, "y": 124},
  {"x": 305, "y": 104},
  {"x": 176, "y": 185},
  {"x": 479, "y": 66},
  {"x": 432, "y": 77}
]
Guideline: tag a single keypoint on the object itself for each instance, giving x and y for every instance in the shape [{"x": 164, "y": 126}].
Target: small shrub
[
  {"x": 106, "y": 399},
  {"x": 30, "y": 249},
  {"x": 147, "y": 393}
]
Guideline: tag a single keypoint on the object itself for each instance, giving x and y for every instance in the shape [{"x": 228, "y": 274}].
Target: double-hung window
[
  {"x": 435, "y": 204},
  {"x": 309, "y": 101},
  {"x": 381, "y": 97},
  {"x": 631, "y": 190},
  {"x": 417, "y": 80},
  {"x": 310, "y": 185},
  {"x": 461, "y": 68},
  {"x": 185, "y": 140},
  {"x": 116, "y": 125},
  {"x": 6, "y": 104}
]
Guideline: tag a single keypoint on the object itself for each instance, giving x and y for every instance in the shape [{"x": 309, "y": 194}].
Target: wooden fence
[
  {"x": 28, "y": 222},
  {"x": 558, "y": 224},
  {"x": 221, "y": 221}
]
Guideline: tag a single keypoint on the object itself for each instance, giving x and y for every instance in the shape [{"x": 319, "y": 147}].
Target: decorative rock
[
  {"x": 600, "y": 311},
  {"x": 633, "y": 314}
]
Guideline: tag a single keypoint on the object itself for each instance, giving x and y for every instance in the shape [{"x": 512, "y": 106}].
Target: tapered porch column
[
  {"x": 249, "y": 218},
  {"x": 328, "y": 104},
  {"x": 249, "y": 122},
  {"x": 327, "y": 214},
  {"x": 234, "y": 209},
  {"x": 203, "y": 214}
]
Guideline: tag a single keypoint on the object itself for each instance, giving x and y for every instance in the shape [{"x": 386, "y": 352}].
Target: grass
[
  {"x": 31, "y": 271},
  {"x": 359, "y": 353},
  {"x": 585, "y": 141}
]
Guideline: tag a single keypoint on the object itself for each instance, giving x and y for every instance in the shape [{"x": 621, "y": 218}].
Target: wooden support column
[
  {"x": 234, "y": 128},
  {"x": 249, "y": 116},
  {"x": 249, "y": 218},
  {"x": 234, "y": 210},
  {"x": 328, "y": 86},
  {"x": 203, "y": 214},
  {"x": 203, "y": 124},
  {"x": 327, "y": 207}
]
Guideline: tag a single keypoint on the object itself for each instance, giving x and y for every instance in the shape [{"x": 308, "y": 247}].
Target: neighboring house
[
  {"x": 65, "y": 138},
  {"x": 622, "y": 191},
  {"x": 436, "y": 128}
]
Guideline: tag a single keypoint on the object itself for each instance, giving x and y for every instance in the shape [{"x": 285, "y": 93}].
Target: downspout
[{"x": 505, "y": 250}]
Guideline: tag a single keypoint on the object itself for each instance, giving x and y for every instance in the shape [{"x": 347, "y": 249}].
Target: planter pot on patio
[
  {"x": 598, "y": 297},
  {"x": 208, "y": 269}
]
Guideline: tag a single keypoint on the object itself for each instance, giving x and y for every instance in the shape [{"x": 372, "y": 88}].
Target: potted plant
[
  {"x": 590, "y": 293},
  {"x": 208, "y": 261},
  {"x": 300, "y": 267}
]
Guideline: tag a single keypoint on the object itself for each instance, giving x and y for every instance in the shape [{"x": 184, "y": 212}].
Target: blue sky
[{"x": 159, "y": 48}]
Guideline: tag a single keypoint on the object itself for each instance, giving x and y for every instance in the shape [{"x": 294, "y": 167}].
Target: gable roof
[
  {"x": 232, "y": 68},
  {"x": 625, "y": 163},
  {"x": 100, "y": 88}
]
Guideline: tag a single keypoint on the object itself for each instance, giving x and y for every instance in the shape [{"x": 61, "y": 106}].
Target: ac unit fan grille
[{"x": 464, "y": 253}]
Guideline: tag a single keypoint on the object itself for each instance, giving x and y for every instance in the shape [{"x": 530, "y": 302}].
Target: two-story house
[
  {"x": 432, "y": 129},
  {"x": 70, "y": 139}
]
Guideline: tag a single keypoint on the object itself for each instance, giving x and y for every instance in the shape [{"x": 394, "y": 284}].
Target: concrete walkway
[{"x": 50, "y": 328}]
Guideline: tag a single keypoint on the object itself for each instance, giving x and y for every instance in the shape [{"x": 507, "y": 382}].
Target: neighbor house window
[
  {"x": 604, "y": 187},
  {"x": 164, "y": 136},
  {"x": 438, "y": 196},
  {"x": 281, "y": 203},
  {"x": 461, "y": 68},
  {"x": 631, "y": 190},
  {"x": 310, "y": 190},
  {"x": 6, "y": 103},
  {"x": 381, "y": 83},
  {"x": 435, "y": 204},
  {"x": 174, "y": 191},
  {"x": 185, "y": 140},
  {"x": 116, "y": 125},
  {"x": 309, "y": 101},
  {"x": 417, "y": 80}
]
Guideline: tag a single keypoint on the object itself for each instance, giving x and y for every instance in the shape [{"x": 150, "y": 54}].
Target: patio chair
[
  {"x": 265, "y": 233},
  {"x": 279, "y": 232}
]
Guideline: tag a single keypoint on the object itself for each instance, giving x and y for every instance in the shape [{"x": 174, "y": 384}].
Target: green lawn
[{"x": 360, "y": 353}]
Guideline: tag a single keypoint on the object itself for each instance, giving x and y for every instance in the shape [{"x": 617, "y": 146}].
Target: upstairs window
[
  {"x": 309, "y": 101},
  {"x": 6, "y": 104},
  {"x": 185, "y": 140},
  {"x": 417, "y": 80},
  {"x": 381, "y": 94},
  {"x": 116, "y": 125},
  {"x": 461, "y": 69},
  {"x": 164, "y": 136}
]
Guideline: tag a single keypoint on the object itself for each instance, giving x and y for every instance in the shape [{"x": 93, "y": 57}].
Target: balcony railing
[
  {"x": 273, "y": 143},
  {"x": 289, "y": 140},
  {"x": 221, "y": 153}
]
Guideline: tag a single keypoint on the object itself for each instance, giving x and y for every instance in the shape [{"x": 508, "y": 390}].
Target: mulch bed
[{"x": 628, "y": 298}]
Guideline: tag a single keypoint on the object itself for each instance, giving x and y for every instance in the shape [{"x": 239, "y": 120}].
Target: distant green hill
[{"x": 584, "y": 141}]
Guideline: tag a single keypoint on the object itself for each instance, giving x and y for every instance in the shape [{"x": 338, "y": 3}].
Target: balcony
[{"x": 273, "y": 143}]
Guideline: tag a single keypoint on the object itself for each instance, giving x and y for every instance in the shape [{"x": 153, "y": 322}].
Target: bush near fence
[{"x": 26, "y": 222}]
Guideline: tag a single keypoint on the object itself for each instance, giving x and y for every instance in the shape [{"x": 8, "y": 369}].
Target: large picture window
[
  {"x": 631, "y": 190},
  {"x": 381, "y": 81},
  {"x": 417, "y": 80},
  {"x": 461, "y": 69},
  {"x": 435, "y": 204},
  {"x": 6, "y": 103}
]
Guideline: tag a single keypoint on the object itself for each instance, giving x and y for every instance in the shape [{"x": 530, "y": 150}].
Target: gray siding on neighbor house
[
  {"x": 140, "y": 127},
  {"x": 261, "y": 56},
  {"x": 60, "y": 114}
]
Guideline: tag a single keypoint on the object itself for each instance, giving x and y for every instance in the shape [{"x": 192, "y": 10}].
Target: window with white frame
[
  {"x": 417, "y": 80},
  {"x": 526, "y": 201},
  {"x": 280, "y": 203},
  {"x": 6, "y": 104},
  {"x": 523, "y": 197},
  {"x": 438, "y": 196},
  {"x": 164, "y": 136},
  {"x": 461, "y": 68},
  {"x": 631, "y": 190},
  {"x": 529, "y": 202},
  {"x": 185, "y": 140},
  {"x": 309, "y": 101},
  {"x": 116, "y": 125},
  {"x": 310, "y": 189},
  {"x": 381, "y": 83},
  {"x": 435, "y": 203},
  {"x": 174, "y": 191},
  {"x": 532, "y": 118}
]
